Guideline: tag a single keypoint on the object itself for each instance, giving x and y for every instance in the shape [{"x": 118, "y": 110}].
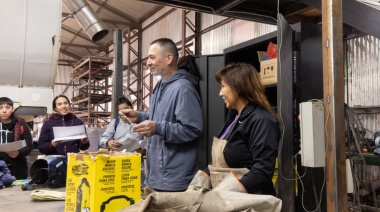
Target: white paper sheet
[
  {"x": 129, "y": 144},
  {"x": 69, "y": 133},
  {"x": 12, "y": 146}
]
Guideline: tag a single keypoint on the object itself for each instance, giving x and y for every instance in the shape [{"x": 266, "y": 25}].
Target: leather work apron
[{"x": 219, "y": 168}]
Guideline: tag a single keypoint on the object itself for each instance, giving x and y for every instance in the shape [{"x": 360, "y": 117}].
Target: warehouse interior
[{"x": 332, "y": 55}]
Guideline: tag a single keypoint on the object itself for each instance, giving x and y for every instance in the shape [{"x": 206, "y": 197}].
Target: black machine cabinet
[{"x": 300, "y": 77}]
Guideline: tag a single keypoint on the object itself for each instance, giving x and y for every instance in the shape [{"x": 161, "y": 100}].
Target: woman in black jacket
[{"x": 251, "y": 133}]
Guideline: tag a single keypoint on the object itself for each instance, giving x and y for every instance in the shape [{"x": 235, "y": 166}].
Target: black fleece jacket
[
  {"x": 17, "y": 166},
  {"x": 252, "y": 143}
]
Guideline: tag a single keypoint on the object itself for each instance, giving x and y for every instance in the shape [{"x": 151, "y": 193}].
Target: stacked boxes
[{"x": 102, "y": 181}]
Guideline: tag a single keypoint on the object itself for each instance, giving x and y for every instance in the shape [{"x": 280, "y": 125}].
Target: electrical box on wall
[{"x": 312, "y": 134}]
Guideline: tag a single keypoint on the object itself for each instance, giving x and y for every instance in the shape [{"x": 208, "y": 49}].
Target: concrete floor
[{"x": 13, "y": 199}]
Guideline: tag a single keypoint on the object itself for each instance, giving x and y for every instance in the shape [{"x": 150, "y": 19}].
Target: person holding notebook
[{"x": 62, "y": 118}]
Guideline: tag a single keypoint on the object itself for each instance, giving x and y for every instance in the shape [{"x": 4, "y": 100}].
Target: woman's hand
[
  {"x": 114, "y": 145},
  {"x": 84, "y": 140},
  {"x": 54, "y": 144},
  {"x": 13, "y": 154}
]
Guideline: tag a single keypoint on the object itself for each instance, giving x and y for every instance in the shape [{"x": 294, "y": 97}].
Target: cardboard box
[
  {"x": 102, "y": 181},
  {"x": 268, "y": 71}
]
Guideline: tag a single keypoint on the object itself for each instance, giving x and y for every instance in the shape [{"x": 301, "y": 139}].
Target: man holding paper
[
  {"x": 63, "y": 124},
  {"x": 12, "y": 130}
]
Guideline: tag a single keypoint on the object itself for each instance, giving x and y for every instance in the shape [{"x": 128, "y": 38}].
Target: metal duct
[{"x": 87, "y": 19}]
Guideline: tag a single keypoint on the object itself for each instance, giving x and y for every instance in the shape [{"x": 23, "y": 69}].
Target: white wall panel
[{"x": 64, "y": 76}]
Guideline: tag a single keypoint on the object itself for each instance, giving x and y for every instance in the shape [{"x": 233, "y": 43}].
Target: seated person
[
  {"x": 63, "y": 117},
  {"x": 118, "y": 131},
  {"x": 13, "y": 128}
]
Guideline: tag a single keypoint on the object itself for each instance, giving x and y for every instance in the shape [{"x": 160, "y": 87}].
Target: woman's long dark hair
[{"x": 244, "y": 79}]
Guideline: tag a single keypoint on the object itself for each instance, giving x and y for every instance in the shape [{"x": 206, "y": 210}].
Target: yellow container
[{"x": 102, "y": 181}]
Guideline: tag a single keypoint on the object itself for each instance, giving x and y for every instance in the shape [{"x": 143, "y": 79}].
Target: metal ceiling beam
[
  {"x": 361, "y": 16},
  {"x": 67, "y": 61},
  {"x": 159, "y": 18},
  {"x": 228, "y": 6},
  {"x": 63, "y": 51},
  {"x": 133, "y": 23},
  {"x": 145, "y": 17},
  {"x": 83, "y": 46},
  {"x": 78, "y": 34},
  {"x": 66, "y": 15}
]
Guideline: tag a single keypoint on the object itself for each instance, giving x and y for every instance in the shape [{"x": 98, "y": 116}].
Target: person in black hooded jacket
[{"x": 13, "y": 128}]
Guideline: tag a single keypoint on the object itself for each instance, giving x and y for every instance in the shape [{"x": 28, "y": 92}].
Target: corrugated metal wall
[
  {"x": 168, "y": 27},
  {"x": 363, "y": 78},
  {"x": 363, "y": 89},
  {"x": 230, "y": 34}
]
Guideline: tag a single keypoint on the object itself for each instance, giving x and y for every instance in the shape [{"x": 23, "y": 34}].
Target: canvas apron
[{"x": 219, "y": 168}]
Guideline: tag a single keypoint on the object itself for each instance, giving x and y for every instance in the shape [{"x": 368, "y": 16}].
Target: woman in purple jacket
[{"x": 63, "y": 117}]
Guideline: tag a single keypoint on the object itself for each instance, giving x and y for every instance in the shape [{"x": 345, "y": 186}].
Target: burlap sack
[{"x": 43, "y": 195}]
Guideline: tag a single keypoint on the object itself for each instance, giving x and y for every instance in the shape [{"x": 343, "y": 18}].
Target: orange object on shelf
[{"x": 271, "y": 51}]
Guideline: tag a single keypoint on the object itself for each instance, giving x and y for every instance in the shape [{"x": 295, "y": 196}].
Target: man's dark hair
[
  {"x": 169, "y": 46},
  {"x": 123, "y": 100},
  {"x": 6, "y": 101}
]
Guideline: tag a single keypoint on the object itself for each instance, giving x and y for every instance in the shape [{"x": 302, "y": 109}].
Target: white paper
[
  {"x": 12, "y": 146},
  {"x": 129, "y": 144},
  {"x": 69, "y": 133}
]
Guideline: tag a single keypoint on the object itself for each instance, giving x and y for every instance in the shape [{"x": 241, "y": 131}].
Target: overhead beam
[
  {"x": 145, "y": 17},
  {"x": 78, "y": 34},
  {"x": 105, "y": 20},
  {"x": 228, "y": 6},
  {"x": 159, "y": 18},
  {"x": 83, "y": 46},
  {"x": 63, "y": 51},
  {"x": 117, "y": 12},
  {"x": 360, "y": 16}
]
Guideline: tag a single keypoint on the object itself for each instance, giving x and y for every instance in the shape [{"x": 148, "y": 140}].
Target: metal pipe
[{"x": 87, "y": 19}]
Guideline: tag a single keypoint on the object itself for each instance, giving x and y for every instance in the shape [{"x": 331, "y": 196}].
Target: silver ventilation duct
[{"x": 87, "y": 19}]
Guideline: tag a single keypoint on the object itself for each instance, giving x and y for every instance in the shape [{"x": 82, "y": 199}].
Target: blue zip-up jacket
[{"x": 172, "y": 151}]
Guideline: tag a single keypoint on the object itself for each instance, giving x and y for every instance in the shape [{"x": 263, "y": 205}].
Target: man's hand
[
  {"x": 128, "y": 115},
  {"x": 114, "y": 145},
  {"x": 13, "y": 154},
  {"x": 145, "y": 128}
]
